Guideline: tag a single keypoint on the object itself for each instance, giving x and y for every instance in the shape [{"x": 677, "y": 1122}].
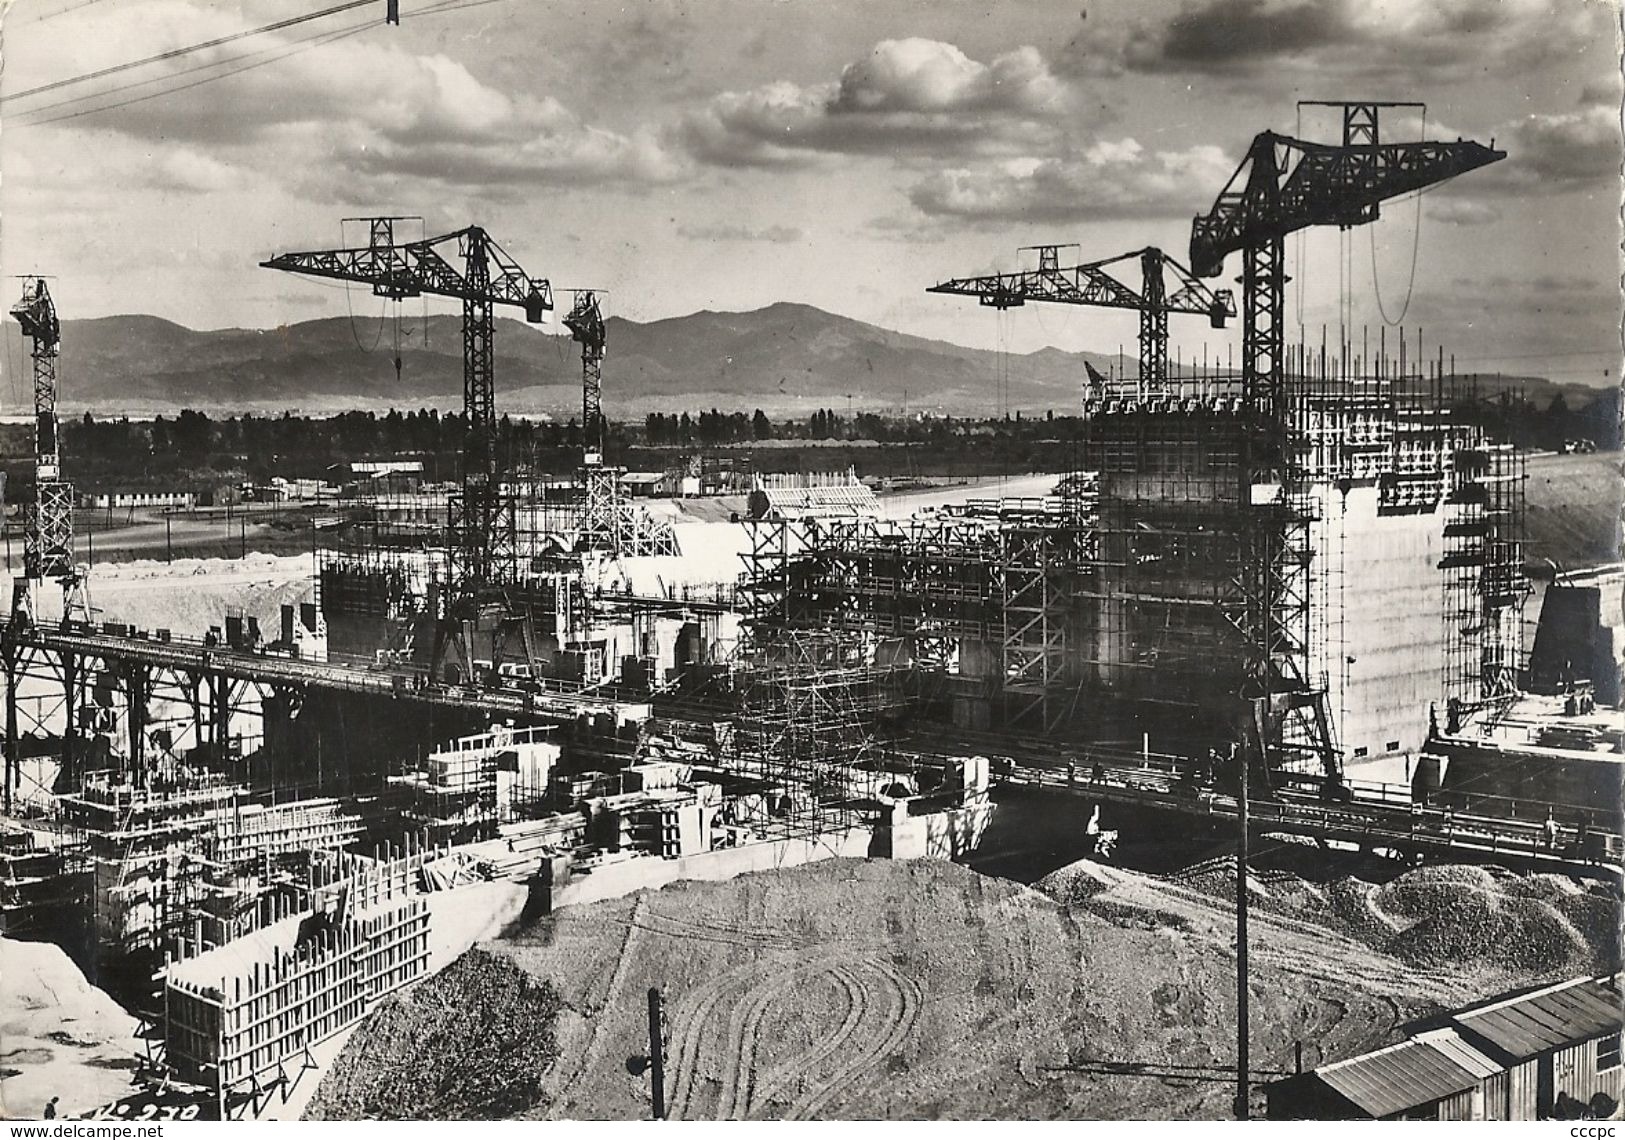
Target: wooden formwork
[
  {"x": 244, "y": 1030},
  {"x": 286, "y": 828},
  {"x": 371, "y": 881}
]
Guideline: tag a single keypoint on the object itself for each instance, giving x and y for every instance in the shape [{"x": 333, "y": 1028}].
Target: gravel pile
[
  {"x": 1545, "y": 887},
  {"x": 1071, "y": 884},
  {"x": 471, "y": 1043},
  {"x": 1351, "y": 901},
  {"x": 1466, "y": 916},
  {"x": 1597, "y": 919}
]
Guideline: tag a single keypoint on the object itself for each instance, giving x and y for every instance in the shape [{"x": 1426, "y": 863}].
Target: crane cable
[
  {"x": 1298, "y": 274},
  {"x": 1416, "y": 242}
]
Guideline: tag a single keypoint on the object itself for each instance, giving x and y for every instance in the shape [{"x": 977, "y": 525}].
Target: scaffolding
[
  {"x": 804, "y": 743},
  {"x": 1485, "y": 587},
  {"x": 981, "y": 598}
]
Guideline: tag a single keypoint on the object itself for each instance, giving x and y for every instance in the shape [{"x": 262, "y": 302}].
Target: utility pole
[
  {"x": 657, "y": 1055},
  {"x": 1242, "y": 1109}
]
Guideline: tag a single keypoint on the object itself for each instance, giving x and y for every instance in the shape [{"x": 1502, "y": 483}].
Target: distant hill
[
  {"x": 781, "y": 358},
  {"x": 785, "y": 358}
]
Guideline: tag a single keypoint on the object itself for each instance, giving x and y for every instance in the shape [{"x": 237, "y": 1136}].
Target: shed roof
[
  {"x": 814, "y": 502},
  {"x": 1449, "y": 1042},
  {"x": 1397, "y": 1078},
  {"x": 1558, "y": 1015}
]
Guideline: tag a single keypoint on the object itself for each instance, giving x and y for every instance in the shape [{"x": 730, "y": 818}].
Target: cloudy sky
[{"x": 725, "y": 154}]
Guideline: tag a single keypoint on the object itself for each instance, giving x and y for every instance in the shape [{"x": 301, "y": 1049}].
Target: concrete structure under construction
[{"x": 1119, "y": 604}]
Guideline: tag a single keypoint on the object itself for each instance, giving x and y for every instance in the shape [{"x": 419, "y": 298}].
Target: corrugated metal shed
[
  {"x": 1449, "y": 1042},
  {"x": 1397, "y": 1078},
  {"x": 1547, "y": 1019}
]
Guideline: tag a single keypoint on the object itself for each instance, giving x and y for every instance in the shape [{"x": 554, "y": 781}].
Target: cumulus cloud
[
  {"x": 346, "y": 111},
  {"x": 909, "y": 96},
  {"x": 1108, "y": 179},
  {"x": 919, "y": 75}
]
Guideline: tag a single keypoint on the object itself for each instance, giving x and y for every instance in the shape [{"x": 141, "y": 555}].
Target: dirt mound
[
  {"x": 471, "y": 1043},
  {"x": 879, "y": 989},
  {"x": 59, "y": 1035},
  {"x": 1501, "y": 928}
]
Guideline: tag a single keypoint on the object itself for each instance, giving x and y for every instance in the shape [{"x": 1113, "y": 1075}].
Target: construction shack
[{"x": 1550, "y": 1053}]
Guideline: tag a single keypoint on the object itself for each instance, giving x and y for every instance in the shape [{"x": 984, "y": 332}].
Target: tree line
[{"x": 192, "y": 449}]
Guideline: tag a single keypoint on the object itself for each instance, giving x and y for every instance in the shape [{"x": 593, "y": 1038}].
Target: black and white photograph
[{"x": 810, "y": 560}]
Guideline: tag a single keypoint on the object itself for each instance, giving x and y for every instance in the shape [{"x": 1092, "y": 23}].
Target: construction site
[{"x": 1277, "y": 610}]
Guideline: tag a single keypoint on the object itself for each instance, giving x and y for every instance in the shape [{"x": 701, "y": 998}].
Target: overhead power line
[
  {"x": 283, "y": 52},
  {"x": 176, "y": 53},
  {"x": 64, "y": 11},
  {"x": 30, "y": 115}
]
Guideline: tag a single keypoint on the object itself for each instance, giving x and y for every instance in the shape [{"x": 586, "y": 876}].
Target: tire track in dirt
[
  {"x": 698, "y": 1006},
  {"x": 595, "y": 1013},
  {"x": 782, "y": 1077},
  {"x": 739, "y": 1047},
  {"x": 729, "y": 936},
  {"x": 904, "y": 999},
  {"x": 1295, "y": 945}
]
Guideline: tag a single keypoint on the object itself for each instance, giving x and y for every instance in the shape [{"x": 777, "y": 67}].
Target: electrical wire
[
  {"x": 165, "y": 78},
  {"x": 63, "y": 11},
  {"x": 320, "y": 41},
  {"x": 176, "y": 53},
  {"x": 316, "y": 39}
]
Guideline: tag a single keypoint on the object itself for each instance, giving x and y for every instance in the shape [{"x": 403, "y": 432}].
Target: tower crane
[
  {"x": 586, "y": 324},
  {"x": 599, "y": 507},
  {"x": 48, "y": 526},
  {"x": 1282, "y": 186},
  {"x": 606, "y": 523},
  {"x": 1091, "y": 284},
  {"x": 1285, "y": 185},
  {"x": 481, "y": 551}
]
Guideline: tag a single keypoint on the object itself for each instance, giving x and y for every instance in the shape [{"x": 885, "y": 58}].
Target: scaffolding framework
[{"x": 983, "y": 596}]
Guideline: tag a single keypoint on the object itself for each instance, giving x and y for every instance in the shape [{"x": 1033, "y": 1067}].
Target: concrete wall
[
  {"x": 947, "y": 834},
  {"x": 1384, "y": 662},
  {"x": 613, "y": 880},
  {"x": 1581, "y": 636}
]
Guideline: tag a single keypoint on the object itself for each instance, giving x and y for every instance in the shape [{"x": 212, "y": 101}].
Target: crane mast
[
  {"x": 1282, "y": 186},
  {"x": 48, "y": 525},
  {"x": 599, "y": 507},
  {"x": 606, "y": 523},
  {"x": 586, "y": 324},
  {"x": 481, "y": 548},
  {"x": 1091, "y": 284}
]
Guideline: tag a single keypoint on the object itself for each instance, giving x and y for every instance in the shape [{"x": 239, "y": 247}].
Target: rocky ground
[{"x": 865, "y": 989}]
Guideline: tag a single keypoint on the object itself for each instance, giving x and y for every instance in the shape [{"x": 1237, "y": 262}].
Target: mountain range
[{"x": 786, "y": 359}]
